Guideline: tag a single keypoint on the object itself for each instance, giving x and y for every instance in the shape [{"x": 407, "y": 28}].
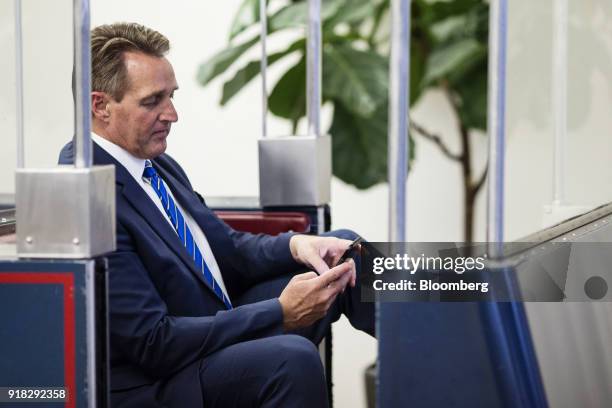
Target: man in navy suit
[{"x": 200, "y": 315}]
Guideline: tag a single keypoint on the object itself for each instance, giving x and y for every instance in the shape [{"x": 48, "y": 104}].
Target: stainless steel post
[
  {"x": 313, "y": 70},
  {"x": 496, "y": 124},
  {"x": 296, "y": 170},
  {"x": 69, "y": 212},
  {"x": 518, "y": 378},
  {"x": 82, "y": 67},
  {"x": 398, "y": 118},
  {"x": 559, "y": 98},
  {"x": 263, "y": 18},
  {"x": 19, "y": 85}
]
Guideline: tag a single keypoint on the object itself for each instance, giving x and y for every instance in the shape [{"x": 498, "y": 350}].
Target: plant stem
[
  {"x": 294, "y": 126},
  {"x": 470, "y": 188},
  {"x": 469, "y": 193},
  {"x": 432, "y": 137}
]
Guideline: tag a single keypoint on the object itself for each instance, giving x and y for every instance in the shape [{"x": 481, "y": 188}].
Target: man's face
[{"x": 141, "y": 122}]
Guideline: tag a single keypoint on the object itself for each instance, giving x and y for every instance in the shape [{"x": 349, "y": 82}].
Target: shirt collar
[{"x": 134, "y": 165}]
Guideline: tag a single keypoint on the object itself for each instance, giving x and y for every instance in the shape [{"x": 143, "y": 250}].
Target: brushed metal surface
[
  {"x": 65, "y": 212},
  {"x": 295, "y": 170},
  {"x": 399, "y": 109},
  {"x": 314, "y": 40},
  {"x": 82, "y": 89}
]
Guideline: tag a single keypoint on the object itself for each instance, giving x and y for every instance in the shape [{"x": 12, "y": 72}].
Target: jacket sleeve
[
  {"x": 265, "y": 255},
  {"x": 143, "y": 332}
]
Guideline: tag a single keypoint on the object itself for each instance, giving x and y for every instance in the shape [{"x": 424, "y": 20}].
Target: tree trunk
[{"x": 469, "y": 194}]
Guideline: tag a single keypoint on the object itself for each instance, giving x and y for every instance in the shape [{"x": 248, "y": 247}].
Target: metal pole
[
  {"x": 19, "y": 85},
  {"x": 399, "y": 89},
  {"x": 313, "y": 69},
  {"x": 559, "y": 98},
  {"x": 505, "y": 324},
  {"x": 399, "y": 85},
  {"x": 496, "y": 124},
  {"x": 263, "y": 16},
  {"x": 82, "y": 68}
]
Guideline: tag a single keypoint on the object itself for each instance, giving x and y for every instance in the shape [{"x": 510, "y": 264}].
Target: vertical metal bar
[
  {"x": 82, "y": 68},
  {"x": 496, "y": 124},
  {"x": 505, "y": 324},
  {"x": 399, "y": 91},
  {"x": 559, "y": 98},
  {"x": 263, "y": 16},
  {"x": 313, "y": 68},
  {"x": 399, "y": 84},
  {"x": 19, "y": 85}
]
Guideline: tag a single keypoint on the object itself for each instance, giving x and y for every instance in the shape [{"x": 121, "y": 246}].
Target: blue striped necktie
[{"x": 183, "y": 231}]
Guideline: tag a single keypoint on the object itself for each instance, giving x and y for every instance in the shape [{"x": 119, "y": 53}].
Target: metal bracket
[
  {"x": 65, "y": 212},
  {"x": 295, "y": 170}
]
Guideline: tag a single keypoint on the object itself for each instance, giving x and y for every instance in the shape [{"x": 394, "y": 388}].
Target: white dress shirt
[{"x": 135, "y": 167}]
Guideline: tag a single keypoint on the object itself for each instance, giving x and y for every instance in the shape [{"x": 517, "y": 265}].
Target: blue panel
[
  {"x": 457, "y": 354},
  {"x": 434, "y": 355},
  {"x": 35, "y": 313},
  {"x": 32, "y": 328}
]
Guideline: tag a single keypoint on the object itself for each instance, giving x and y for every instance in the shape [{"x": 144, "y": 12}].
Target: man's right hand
[{"x": 308, "y": 296}]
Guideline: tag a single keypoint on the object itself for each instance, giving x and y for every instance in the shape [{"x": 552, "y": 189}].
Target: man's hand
[
  {"x": 320, "y": 253},
  {"x": 308, "y": 296}
]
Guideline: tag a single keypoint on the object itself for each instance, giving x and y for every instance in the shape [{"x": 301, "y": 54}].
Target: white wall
[
  {"x": 217, "y": 146},
  {"x": 47, "y": 61}
]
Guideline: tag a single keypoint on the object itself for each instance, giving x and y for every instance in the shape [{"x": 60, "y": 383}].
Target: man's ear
[{"x": 99, "y": 105}]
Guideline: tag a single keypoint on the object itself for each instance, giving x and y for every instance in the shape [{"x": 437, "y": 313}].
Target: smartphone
[{"x": 350, "y": 251}]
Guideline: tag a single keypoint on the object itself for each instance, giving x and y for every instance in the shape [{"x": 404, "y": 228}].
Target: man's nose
[{"x": 169, "y": 114}]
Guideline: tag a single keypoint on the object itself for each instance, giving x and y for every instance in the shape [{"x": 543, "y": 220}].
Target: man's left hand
[{"x": 321, "y": 253}]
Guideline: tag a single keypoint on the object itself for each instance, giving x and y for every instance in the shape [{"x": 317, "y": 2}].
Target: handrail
[{"x": 569, "y": 225}]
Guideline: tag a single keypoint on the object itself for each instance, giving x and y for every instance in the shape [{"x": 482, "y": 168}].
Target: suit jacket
[{"x": 163, "y": 314}]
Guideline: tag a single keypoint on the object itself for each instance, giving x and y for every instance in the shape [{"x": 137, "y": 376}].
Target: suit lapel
[{"x": 142, "y": 203}]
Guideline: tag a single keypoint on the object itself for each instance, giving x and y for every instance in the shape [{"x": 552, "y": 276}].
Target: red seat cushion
[{"x": 272, "y": 223}]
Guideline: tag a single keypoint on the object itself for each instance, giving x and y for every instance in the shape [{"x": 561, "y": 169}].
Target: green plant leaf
[
  {"x": 359, "y": 146},
  {"x": 295, "y": 14},
  {"x": 247, "y": 15},
  {"x": 472, "y": 104},
  {"x": 352, "y": 11},
  {"x": 357, "y": 78},
  {"x": 471, "y": 23},
  {"x": 251, "y": 70},
  {"x": 288, "y": 98},
  {"x": 448, "y": 28},
  {"x": 219, "y": 62},
  {"x": 417, "y": 72},
  {"x": 449, "y": 58},
  {"x": 436, "y": 10}
]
